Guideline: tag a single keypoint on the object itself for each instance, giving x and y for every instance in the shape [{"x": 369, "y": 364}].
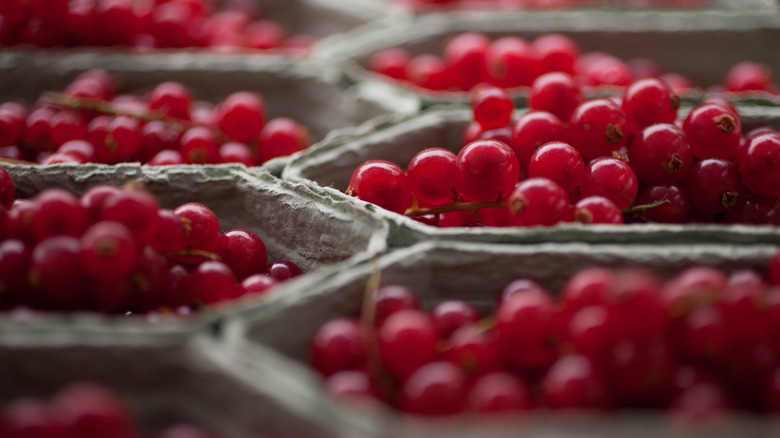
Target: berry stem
[
  {"x": 643, "y": 207},
  {"x": 455, "y": 206},
  {"x": 105, "y": 107}
]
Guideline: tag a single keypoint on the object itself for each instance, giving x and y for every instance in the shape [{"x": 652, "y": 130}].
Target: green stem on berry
[
  {"x": 105, "y": 107},
  {"x": 643, "y": 207},
  {"x": 194, "y": 252},
  {"x": 455, "y": 206}
]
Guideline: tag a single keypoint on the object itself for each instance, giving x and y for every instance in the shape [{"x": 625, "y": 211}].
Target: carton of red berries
[
  {"x": 157, "y": 242},
  {"x": 468, "y": 339},
  {"x": 78, "y": 380},
  {"x": 440, "y": 56},
  {"x": 268, "y": 27},
  {"x": 167, "y": 109},
  {"x": 614, "y": 173}
]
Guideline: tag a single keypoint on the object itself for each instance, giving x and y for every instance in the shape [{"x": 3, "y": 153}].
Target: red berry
[
  {"x": 597, "y": 210},
  {"x": 450, "y": 315},
  {"x": 538, "y": 201},
  {"x": 532, "y": 130},
  {"x": 171, "y": 98},
  {"x": 438, "y": 388},
  {"x": 487, "y": 170},
  {"x": 430, "y": 174},
  {"x": 108, "y": 250},
  {"x": 57, "y": 212},
  {"x": 466, "y": 58},
  {"x": 243, "y": 251},
  {"x": 241, "y": 116},
  {"x": 759, "y": 163},
  {"x": 512, "y": 62},
  {"x": 393, "y": 298},
  {"x": 382, "y": 183},
  {"x": 199, "y": 145},
  {"x": 559, "y": 162},
  {"x": 492, "y": 107},
  {"x": 390, "y": 62},
  {"x": 7, "y": 189},
  {"x": 597, "y": 128},
  {"x": 748, "y": 76},
  {"x": 499, "y": 392},
  {"x": 713, "y": 131},
  {"x": 650, "y": 101},
  {"x": 282, "y": 137},
  {"x": 661, "y": 154},
  {"x": 338, "y": 346},
  {"x": 713, "y": 186},
  {"x": 407, "y": 341},
  {"x": 573, "y": 383},
  {"x": 557, "y": 93},
  {"x": 525, "y": 328},
  {"x": 212, "y": 282},
  {"x": 612, "y": 179},
  {"x": 281, "y": 270},
  {"x": 557, "y": 52}
]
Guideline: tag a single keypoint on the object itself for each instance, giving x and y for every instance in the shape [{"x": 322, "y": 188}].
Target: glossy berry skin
[
  {"x": 212, "y": 282},
  {"x": 532, "y": 130},
  {"x": 172, "y": 99},
  {"x": 281, "y": 270},
  {"x": 538, "y": 201},
  {"x": 199, "y": 145},
  {"x": 660, "y": 154},
  {"x": 499, "y": 392},
  {"x": 753, "y": 208},
  {"x": 450, "y": 315},
  {"x": 573, "y": 383},
  {"x": 475, "y": 350},
  {"x": 338, "y": 346},
  {"x": 241, "y": 116},
  {"x": 525, "y": 327},
  {"x": 648, "y": 102},
  {"x": 606, "y": 70},
  {"x": 713, "y": 186},
  {"x": 282, "y": 136},
  {"x": 351, "y": 386},
  {"x": 243, "y": 251},
  {"x": 556, "y": 52},
  {"x": 202, "y": 225},
  {"x": 381, "y": 183},
  {"x": 487, "y": 170},
  {"x": 108, "y": 251},
  {"x": 612, "y": 179},
  {"x": 713, "y": 131},
  {"x": 57, "y": 274},
  {"x": 407, "y": 341},
  {"x": 759, "y": 163},
  {"x": 57, "y": 212},
  {"x": 465, "y": 55},
  {"x": 430, "y": 174},
  {"x": 257, "y": 284},
  {"x": 392, "y": 298},
  {"x": 748, "y": 76},
  {"x": 492, "y": 107},
  {"x": 597, "y": 128},
  {"x": 559, "y": 162},
  {"x": 557, "y": 93},
  {"x": 136, "y": 210},
  {"x": 429, "y": 72},
  {"x": 437, "y": 388},
  {"x": 597, "y": 210},
  {"x": 512, "y": 62},
  {"x": 390, "y": 62}
]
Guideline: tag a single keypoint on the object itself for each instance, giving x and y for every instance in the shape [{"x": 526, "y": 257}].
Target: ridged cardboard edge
[
  {"x": 340, "y": 154},
  {"x": 263, "y": 348},
  {"x": 218, "y": 187},
  {"x": 738, "y": 35}
]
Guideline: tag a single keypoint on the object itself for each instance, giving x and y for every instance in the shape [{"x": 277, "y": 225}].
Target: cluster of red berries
[
  {"x": 81, "y": 410},
  {"x": 699, "y": 344},
  {"x": 115, "y": 250},
  {"x": 471, "y": 58},
  {"x": 90, "y": 123},
  {"x": 145, "y": 24},
  {"x": 606, "y": 156},
  {"x": 423, "y": 5}
]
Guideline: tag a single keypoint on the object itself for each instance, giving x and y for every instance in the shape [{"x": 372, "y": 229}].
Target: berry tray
[
  {"x": 303, "y": 224},
  {"x": 309, "y": 92},
  {"x": 275, "y": 340},
  {"x": 165, "y": 378},
  {"x": 398, "y": 139},
  {"x": 738, "y": 35}
]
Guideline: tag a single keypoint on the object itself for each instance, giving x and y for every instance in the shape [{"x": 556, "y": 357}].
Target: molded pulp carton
[
  {"x": 274, "y": 340},
  {"x": 399, "y": 139}
]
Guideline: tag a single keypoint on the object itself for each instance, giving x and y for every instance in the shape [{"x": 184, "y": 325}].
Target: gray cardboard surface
[
  {"x": 398, "y": 139},
  {"x": 272, "y": 343}
]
